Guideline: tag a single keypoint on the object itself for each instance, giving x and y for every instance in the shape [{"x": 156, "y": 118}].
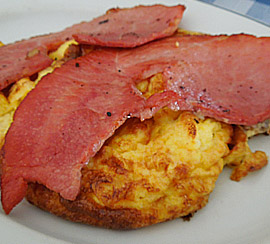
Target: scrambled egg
[
  {"x": 165, "y": 167},
  {"x": 148, "y": 172},
  {"x": 241, "y": 159}
]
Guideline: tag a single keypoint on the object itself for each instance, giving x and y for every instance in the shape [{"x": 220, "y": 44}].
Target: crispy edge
[{"x": 241, "y": 159}]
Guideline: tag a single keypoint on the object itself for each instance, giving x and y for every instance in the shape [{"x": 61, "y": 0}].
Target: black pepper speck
[{"x": 103, "y": 21}]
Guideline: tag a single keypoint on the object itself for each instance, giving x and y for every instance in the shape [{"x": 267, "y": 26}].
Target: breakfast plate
[{"x": 237, "y": 212}]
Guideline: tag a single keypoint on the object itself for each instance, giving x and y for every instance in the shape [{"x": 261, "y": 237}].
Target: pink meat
[
  {"x": 118, "y": 28},
  {"x": 223, "y": 77},
  {"x": 25, "y": 58},
  {"x": 78, "y": 98},
  {"x": 71, "y": 112},
  {"x": 109, "y": 30}
]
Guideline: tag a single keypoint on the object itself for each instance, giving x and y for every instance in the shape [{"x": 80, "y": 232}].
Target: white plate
[{"x": 236, "y": 213}]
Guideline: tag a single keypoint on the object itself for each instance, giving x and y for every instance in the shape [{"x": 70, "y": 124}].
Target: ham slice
[
  {"x": 223, "y": 77},
  {"x": 71, "y": 112},
  {"x": 80, "y": 97},
  {"x": 109, "y": 30},
  {"x": 119, "y": 28}
]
